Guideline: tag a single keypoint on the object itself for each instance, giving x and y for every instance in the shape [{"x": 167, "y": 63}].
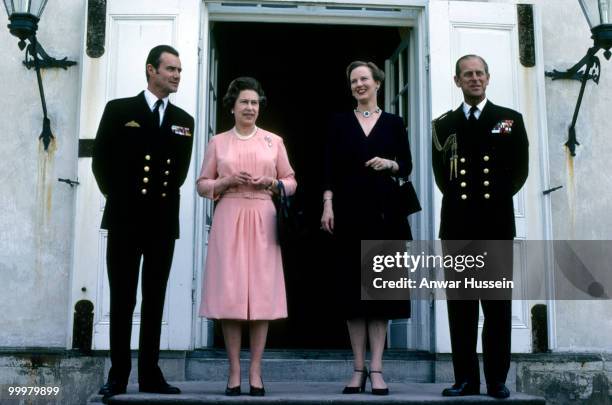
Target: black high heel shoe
[
  {"x": 361, "y": 388},
  {"x": 378, "y": 391},
  {"x": 256, "y": 391},
  {"x": 232, "y": 391}
]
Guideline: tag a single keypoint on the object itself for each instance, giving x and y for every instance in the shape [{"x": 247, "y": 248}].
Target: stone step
[
  {"x": 206, "y": 392},
  {"x": 312, "y": 366}
]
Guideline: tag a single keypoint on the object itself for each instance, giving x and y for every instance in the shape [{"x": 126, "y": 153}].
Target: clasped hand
[
  {"x": 378, "y": 163},
  {"x": 243, "y": 178}
]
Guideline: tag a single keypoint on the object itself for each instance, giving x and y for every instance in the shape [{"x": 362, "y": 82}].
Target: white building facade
[{"x": 51, "y": 246}]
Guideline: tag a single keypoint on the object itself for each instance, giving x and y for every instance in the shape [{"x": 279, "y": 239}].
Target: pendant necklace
[{"x": 368, "y": 114}]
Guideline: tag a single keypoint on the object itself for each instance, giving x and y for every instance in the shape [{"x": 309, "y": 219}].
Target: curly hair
[{"x": 239, "y": 84}]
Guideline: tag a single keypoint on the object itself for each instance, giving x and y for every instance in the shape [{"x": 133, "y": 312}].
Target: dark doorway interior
[{"x": 302, "y": 70}]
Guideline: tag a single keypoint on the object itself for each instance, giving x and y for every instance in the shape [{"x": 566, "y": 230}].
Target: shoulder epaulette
[{"x": 441, "y": 117}]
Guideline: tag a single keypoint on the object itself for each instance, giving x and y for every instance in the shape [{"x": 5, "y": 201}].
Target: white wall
[
  {"x": 586, "y": 212},
  {"x": 36, "y": 211}
]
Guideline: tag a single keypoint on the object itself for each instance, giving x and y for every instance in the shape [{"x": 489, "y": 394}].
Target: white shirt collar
[
  {"x": 152, "y": 99},
  {"x": 479, "y": 108}
]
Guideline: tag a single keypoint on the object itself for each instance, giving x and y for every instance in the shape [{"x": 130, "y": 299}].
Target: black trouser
[
  {"x": 123, "y": 256},
  {"x": 463, "y": 313},
  {"x": 496, "y": 332}
]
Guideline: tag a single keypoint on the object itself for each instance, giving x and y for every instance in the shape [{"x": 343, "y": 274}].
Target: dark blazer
[
  {"x": 140, "y": 168},
  {"x": 491, "y": 166}
]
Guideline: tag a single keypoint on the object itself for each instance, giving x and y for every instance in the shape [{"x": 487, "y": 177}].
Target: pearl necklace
[
  {"x": 245, "y": 137},
  {"x": 368, "y": 114}
]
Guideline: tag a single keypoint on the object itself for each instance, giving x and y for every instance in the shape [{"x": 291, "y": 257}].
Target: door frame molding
[
  {"x": 410, "y": 14},
  {"x": 547, "y": 227}
]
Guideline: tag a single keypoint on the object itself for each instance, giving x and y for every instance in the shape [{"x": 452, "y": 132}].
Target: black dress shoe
[
  {"x": 378, "y": 391},
  {"x": 361, "y": 387},
  {"x": 498, "y": 391},
  {"x": 111, "y": 388},
  {"x": 461, "y": 389},
  {"x": 160, "y": 387}
]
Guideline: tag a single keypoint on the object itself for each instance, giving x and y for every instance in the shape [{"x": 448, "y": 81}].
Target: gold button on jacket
[{"x": 130, "y": 163}]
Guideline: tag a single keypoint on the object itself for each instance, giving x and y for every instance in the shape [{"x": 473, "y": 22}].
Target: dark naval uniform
[
  {"x": 139, "y": 167},
  {"x": 479, "y": 164}
]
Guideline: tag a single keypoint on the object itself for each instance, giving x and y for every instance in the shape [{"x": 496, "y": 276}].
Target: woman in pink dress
[{"x": 243, "y": 276}]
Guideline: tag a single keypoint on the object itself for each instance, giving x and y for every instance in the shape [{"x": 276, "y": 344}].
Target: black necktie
[
  {"x": 472, "y": 118},
  {"x": 156, "y": 119}
]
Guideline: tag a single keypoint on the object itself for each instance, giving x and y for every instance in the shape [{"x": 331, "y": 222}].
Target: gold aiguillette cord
[{"x": 449, "y": 143}]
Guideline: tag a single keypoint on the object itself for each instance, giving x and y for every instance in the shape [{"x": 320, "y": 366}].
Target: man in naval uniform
[
  {"x": 480, "y": 160},
  {"x": 141, "y": 157}
]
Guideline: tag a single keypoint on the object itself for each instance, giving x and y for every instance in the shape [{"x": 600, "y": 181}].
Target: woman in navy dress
[{"x": 367, "y": 150}]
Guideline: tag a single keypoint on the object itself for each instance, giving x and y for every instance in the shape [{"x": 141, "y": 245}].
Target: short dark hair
[
  {"x": 155, "y": 54},
  {"x": 470, "y": 56},
  {"x": 239, "y": 84},
  {"x": 377, "y": 73}
]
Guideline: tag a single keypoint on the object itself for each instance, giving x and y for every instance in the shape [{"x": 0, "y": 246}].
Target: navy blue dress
[{"x": 365, "y": 204}]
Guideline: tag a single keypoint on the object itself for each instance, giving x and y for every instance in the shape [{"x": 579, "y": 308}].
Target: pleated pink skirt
[{"x": 243, "y": 274}]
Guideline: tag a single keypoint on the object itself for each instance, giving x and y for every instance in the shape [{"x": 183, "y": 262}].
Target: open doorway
[{"x": 302, "y": 70}]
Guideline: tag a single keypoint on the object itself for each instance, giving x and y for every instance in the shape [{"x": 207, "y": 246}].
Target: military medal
[
  {"x": 181, "y": 131},
  {"x": 503, "y": 127}
]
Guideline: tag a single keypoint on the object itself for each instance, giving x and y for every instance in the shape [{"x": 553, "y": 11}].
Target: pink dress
[{"x": 243, "y": 275}]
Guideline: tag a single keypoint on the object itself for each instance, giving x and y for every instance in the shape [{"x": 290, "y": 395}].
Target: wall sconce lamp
[
  {"x": 24, "y": 16},
  {"x": 599, "y": 16}
]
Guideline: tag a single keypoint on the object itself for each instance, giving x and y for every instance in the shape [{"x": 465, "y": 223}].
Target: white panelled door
[
  {"x": 204, "y": 206},
  {"x": 132, "y": 29},
  {"x": 401, "y": 99},
  {"x": 491, "y": 31}
]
